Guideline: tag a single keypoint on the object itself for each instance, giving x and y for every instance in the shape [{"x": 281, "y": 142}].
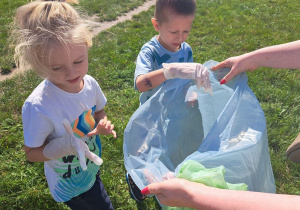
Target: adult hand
[
  {"x": 195, "y": 71},
  {"x": 237, "y": 64},
  {"x": 173, "y": 192}
]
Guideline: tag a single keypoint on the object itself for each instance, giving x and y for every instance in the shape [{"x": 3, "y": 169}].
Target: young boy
[{"x": 167, "y": 56}]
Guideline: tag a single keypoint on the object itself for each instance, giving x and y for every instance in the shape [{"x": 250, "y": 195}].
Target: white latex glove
[
  {"x": 70, "y": 145},
  {"x": 195, "y": 71}
]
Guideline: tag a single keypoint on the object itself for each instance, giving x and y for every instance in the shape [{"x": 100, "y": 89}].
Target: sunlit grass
[{"x": 221, "y": 29}]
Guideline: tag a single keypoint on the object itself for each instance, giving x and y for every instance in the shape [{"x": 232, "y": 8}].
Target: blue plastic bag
[{"x": 181, "y": 122}]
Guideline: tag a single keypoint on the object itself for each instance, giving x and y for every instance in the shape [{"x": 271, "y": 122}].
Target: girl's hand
[{"x": 104, "y": 127}]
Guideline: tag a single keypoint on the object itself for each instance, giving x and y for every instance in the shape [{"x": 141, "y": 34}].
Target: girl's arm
[
  {"x": 35, "y": 154},
  {"x": 99, "y": 116},
  {"x": 60, "y": 147}
]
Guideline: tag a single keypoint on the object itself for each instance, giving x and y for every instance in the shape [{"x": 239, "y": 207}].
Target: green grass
[
  {"x": 7, "y": 9},
  {"x": 109, "y": 10},
  {"x": 101, "y": 9},
  {"x": 221, "y": 29}
]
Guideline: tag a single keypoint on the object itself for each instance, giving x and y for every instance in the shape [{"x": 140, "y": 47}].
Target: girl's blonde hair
[{"x": 40, "y": 24}]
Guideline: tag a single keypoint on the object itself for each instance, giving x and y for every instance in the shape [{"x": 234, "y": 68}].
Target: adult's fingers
[
  {"x": 223, "y": 64},
  {"x": 150, "y": 189},
  {"x": 228, "y": 76}
]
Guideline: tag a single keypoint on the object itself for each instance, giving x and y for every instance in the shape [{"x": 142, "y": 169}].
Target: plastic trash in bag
[
  {"x": 213, "y": 177},
  {"x": 180, "y": 123}
]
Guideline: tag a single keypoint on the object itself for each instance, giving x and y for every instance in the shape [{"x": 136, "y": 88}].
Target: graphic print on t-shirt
[{"x": 72, "y": 180}]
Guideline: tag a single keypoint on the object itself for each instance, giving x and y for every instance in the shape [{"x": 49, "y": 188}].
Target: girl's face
[
  {"x": 174, "y": 31},
  {"x": 68, "y": 65}
]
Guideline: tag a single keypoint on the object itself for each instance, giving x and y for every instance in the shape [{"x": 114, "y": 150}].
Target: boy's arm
[
  {"x": 195, "y": 71},
  {"x": 150, "y": 80}
]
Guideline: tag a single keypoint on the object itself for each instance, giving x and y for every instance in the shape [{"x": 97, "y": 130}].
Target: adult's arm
[
  {"x": 278, "y": 56},
  {"x": 182, "y": 193}
]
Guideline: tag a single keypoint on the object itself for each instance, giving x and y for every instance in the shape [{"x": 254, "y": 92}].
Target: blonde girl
[{"x": 52, "y": 39}]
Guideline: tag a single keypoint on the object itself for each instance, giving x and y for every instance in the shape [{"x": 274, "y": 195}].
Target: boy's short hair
[{"x": 180, "y": 7}]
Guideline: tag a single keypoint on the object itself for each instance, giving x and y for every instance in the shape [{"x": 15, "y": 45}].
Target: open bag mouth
[{"x": 180, "y": 123}]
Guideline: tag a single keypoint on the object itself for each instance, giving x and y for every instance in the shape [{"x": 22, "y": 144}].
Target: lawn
[{"x": 221, "y": 29}]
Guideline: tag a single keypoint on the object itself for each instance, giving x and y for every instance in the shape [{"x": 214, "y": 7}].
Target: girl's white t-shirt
[{"x": 42, "y": 115}]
